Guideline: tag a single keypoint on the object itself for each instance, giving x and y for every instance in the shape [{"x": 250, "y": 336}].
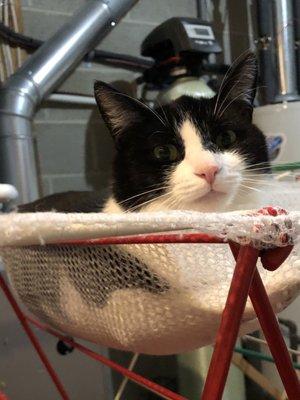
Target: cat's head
[{"x": 190, "y": 154}]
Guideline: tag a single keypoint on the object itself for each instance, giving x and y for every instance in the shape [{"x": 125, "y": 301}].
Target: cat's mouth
[
  {"x": 214, "y": 194},
  {"x": 212, "y": 201}
]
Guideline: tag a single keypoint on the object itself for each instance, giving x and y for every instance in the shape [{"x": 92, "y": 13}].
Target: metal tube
[
  {"x": 296, "y": 4},
  {"x": 204, "y": 10},
  {"x": 72, "y": 99},
  {"x": 265, "y": 45},
  {"x": 42, "y": 73},
  {"x": 265, "y": 20},
  {"x": 285, "y": 41}
]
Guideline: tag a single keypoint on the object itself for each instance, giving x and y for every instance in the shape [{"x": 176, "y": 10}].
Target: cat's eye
[
  {"x": 165, "y": 152},
  {"x": 226, "y": 139}
]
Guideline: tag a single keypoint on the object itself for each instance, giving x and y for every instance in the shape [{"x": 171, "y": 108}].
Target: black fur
[{"x": 71, "y": 202}]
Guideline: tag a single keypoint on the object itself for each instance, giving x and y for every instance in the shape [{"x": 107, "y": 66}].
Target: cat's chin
[
  {"x": 213, "y": 201},
  {"x": 215, "y": 196}
]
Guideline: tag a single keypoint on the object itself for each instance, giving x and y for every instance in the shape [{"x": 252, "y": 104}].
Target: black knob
[{"x": 64, "y": 348}]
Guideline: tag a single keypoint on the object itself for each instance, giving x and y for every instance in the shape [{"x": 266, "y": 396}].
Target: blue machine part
[{"x": 274, "y": 145}]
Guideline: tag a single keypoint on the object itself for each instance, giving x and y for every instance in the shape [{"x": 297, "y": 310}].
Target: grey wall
[{"x": 74, "y": 152}]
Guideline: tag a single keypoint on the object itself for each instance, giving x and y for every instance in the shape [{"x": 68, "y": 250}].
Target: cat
[{"x": 192, "y": 154}]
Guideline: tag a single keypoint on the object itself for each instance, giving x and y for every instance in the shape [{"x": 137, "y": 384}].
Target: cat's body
[
  {"x": 72, "y": 201},
  {"x": 192, "y": 154}
]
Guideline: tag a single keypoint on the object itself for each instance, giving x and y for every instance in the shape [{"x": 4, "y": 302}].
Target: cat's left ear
[
  {"x": 239, "y": 85},
  {"x": 118, "y": 110}
]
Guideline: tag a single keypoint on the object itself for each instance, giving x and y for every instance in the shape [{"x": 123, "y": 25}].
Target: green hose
[
  {"x": 286, "y": 167},
  {"x": 260, "y": 356}
]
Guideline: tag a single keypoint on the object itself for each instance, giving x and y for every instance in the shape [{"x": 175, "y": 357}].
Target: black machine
[{"x": 180, "y": 47}]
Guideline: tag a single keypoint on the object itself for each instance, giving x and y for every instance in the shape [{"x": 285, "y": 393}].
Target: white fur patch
[
  {"x": 112, "y": 206},
  {"x": 196, "y": 157}
]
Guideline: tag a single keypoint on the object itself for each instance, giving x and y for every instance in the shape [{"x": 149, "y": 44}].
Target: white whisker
[
  {"x": 163, "y": 111},
  {"x": 224, "y": 78},
  {"x": 260, "y": 163},
  {"x": 261, "y": 175},
  {"x": 226, "y": 97},
  {"x": 235, "y": 98},
  {"x": 143, "y": 193},
  {"x": 147, "y": 202},
  {"x": 250, "y": 187}
]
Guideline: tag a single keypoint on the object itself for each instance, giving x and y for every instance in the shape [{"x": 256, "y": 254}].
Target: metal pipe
[
  {"x": 296, "y": 4},
  {"x": 204, "y": 10},
  {"x": 265, "y": 46},
  {"x": 72, "y": 99},
  {"x": 285, "y": 40},
  {"x": 42, "y": 73}
]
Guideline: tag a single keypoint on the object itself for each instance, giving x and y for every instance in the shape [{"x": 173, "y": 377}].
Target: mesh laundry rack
[{"x": 136, "y": 288}]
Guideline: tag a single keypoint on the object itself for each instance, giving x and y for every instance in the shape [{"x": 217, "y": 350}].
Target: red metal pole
[
  {"x": 138, "y": 379},
  {"x": 229, "y": 327},
  {"x": 21, "y": 317},
  {"x": 197, "y": 237},
  {"x": 270, "y": 327}
]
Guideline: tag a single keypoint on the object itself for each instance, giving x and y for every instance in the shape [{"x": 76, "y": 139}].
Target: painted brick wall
[{"x": 73, "y": 147}]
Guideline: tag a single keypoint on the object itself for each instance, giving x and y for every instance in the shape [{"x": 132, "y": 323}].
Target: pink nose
[{"x": 209, "y": 173}]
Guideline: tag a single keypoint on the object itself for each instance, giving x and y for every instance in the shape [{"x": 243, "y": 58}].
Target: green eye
[
  {"x": 166, "y": 152},
  {"x": 226, "y": 139}
]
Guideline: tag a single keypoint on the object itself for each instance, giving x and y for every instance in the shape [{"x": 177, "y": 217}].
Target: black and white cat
[{"x": 192, "y": 154}]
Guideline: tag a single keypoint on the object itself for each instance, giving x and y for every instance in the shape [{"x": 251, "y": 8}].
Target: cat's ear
[
  {"x": 118, "y": 110},
  {"x": 239, "y": 84}
]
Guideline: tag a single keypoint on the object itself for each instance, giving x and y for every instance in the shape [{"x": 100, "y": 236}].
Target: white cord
[
  {"x": 283, "y": 175},
  {"x": 125, "y": 379},
  {"x": 254, "y": 339}
]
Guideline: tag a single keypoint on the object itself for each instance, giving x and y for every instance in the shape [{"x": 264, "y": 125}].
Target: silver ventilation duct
[{"x": 43, "y": 71}]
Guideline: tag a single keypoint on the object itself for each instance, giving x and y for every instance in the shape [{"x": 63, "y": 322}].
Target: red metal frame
[
  {"x": 150, "y": 238},
  {"x": 246, "y": 280},
  {"x": 230, "y": 323},
  {"x": 34, "y": 340},
  {"x": 270, "y": 327}
]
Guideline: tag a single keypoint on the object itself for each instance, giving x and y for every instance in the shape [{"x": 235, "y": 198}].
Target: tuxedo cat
[{"x": 192, "y": 154}]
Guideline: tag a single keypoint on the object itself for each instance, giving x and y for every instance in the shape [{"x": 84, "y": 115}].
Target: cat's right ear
[
  {"x": 118, "y": 110},
  {"x": 238, "y": 85}
]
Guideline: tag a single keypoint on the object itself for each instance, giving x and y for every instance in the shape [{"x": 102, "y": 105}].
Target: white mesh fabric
[
  {"x": 155, "y": 299},
  {"x": 242, "y": 227}
]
